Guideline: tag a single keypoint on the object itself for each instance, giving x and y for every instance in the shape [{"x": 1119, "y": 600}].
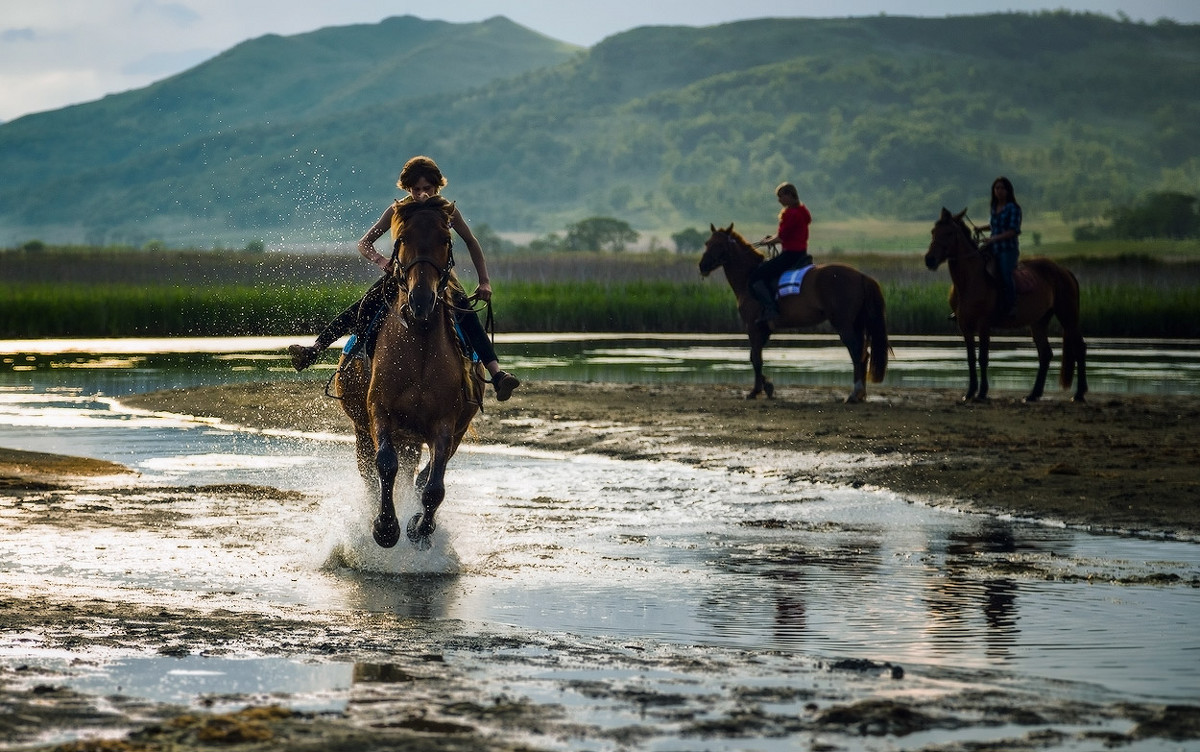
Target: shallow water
[
  {"x": 581, "y": 549},
  {"x": 123, "y": 366}
]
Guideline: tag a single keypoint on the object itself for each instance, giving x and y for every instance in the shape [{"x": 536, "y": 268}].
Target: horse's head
[
  {"x": 719, "y": 248},
  {"x": 424, "y": 258},
  {"x": 950, "y": 237}
]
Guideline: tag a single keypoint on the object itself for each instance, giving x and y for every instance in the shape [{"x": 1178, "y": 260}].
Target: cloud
[
  {"x": 175, "y": 14},
  {"x": 18, "y": 35}
]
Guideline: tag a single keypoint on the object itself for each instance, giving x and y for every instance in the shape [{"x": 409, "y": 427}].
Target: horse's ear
[
  {"x": 961, "y": 214},
  {"x": 730, "y": 228},
  {"x": 712, "y": 227},
  {"x": 945, "y": 213}
]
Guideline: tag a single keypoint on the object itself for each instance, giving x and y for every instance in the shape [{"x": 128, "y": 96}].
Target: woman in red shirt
[{"x": 792, "y": 235}]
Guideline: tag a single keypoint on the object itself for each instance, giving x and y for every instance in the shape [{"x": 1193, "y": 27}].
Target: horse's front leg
[
  {"x": 985, "y": 340},
  {"x": 386, "y": 528},
  {"x": 422, "y": 525},
  {"x": 972, "y": 374},
  {"x": 758, "y": 340}
]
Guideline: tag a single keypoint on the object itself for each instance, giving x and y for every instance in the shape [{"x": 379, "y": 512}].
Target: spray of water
[{"x": 347, "y": 515}]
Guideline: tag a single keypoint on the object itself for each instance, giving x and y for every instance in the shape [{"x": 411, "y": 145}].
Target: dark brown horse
[
  {"x": 1044, "y": 290},
  {"x": 849, "y": 300},
  {"x": 420, "y": 390}
]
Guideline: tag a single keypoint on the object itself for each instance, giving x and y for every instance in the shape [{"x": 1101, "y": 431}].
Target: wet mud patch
[{"x": 450, "y": 685}]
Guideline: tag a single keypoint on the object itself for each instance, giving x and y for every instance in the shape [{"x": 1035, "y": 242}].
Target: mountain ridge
[{"x": 664, "y": 126}]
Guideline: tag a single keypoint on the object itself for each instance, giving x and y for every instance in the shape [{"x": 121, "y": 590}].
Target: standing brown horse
[
  {"x": 848, "y": 299},
  {"x": 1044, "y": 290},
  {"x": 420, "y": 390}
]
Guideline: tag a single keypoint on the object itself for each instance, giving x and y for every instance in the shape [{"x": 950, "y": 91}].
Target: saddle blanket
[{"x": 789, "y": 281}]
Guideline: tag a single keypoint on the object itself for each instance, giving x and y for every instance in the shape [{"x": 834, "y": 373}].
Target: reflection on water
[
  {"x": 648, "y": 551},
  {"x": 125, "y": 366}
]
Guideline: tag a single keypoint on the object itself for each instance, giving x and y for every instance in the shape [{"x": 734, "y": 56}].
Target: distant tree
[
  {"x": 33, "y": 246},
  {"x": 599, "y": 233},
  {"x": 491, "y": 240},
  {"x": 546, "y": 243},
  {"x": 1168, "y": 214},
  {"x": 154, "y": 246},
  {"x": 255, "y": 246},
  {"x": 689, "y": 240}
]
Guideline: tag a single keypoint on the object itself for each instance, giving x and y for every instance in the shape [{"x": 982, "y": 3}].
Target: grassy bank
[{"x": 1127, "y": 294}]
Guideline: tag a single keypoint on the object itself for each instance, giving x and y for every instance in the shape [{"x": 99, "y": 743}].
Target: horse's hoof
[
  {"x": 770, "y": 390},
  {"x": 1030, "y": 399},
  {"x": 418, "y": 538},
  {"x": 386, "y": 531}
]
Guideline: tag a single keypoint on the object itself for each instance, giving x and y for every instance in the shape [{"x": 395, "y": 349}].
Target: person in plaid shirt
[{"x": 1005, "y": 248}]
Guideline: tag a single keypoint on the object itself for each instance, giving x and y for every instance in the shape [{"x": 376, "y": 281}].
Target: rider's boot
[
  {"x": 304, "y": 356},
  {"x": 762, "y": 293},
  {"x": 504, "y": 383}
]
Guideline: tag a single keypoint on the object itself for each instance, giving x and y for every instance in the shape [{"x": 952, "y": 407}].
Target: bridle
[
  {"x": 969, "y": 240},
  {"x": 732, "y": 247},
  {"x": 444, "y": 271}
]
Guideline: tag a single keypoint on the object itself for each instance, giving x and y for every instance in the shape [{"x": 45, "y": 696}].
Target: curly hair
[{"x": 417, "y": 168}]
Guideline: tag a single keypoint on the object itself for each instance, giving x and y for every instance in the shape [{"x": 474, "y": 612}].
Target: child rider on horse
[
  {"x": 792, "y": 234},
  {"x": 423, "y": 181}
]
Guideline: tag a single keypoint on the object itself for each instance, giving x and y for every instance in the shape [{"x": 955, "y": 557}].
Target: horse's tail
[
  {"x": 1066, "y": 309},
  {"x": 876, "y": 329}
]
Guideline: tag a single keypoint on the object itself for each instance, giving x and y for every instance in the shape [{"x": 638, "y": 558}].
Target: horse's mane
[
  {"x": 742, "y": 243},
  {"x": 403, "y": 210},
  {"x": 960, "y": 223}
]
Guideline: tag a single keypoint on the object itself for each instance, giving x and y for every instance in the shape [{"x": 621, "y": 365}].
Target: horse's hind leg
[
  {"x": 364, "y": 453},
  {"x": 1045, "y": 355},
  {"x": 854, "y": 342},
  {"x": 1079, "y": 349},
  {"x": 422, "y": 525}
]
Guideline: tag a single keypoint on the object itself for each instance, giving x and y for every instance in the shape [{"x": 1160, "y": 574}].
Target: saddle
[
  {"x": 361, "y": 343},
  {"x": 1024, "y": 279}
]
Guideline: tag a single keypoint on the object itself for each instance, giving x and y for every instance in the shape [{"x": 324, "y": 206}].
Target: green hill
[{"x": 299, "y": 139}]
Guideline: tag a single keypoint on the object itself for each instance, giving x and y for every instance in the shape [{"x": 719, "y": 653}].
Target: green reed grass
[
  {"x": 1109, "y": 309},
  {"x": 44, "y": 310}
]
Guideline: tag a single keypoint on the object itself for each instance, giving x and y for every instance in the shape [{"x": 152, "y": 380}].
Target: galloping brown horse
[
  {"x": 1044, "y": 290},
  {"x": 849, "y": 300},
  {"x": 420, "y": 389}
]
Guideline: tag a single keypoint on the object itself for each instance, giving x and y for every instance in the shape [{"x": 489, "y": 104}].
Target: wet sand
[{"x": 1116, "y": 463}]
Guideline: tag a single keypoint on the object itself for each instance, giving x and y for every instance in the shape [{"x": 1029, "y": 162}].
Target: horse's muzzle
[
  {"x": 932, "y": 262},
  {"x": 422, "y": 302}
]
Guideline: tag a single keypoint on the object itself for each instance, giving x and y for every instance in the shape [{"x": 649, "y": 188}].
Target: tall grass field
[{"x": 229, "y": 294}]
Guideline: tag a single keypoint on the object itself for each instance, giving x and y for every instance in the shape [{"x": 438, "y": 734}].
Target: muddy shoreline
[
  {"x": 1127, "y": 463},
  {"x": 1120, "y": 464}
]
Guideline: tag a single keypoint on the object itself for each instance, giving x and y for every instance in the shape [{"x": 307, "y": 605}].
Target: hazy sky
[{"x": 59, "y": 52}]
